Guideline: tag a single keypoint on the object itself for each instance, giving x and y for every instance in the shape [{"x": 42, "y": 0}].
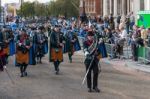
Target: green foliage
[
  {"x": 66, "y": 8},
  {"x": 27, "y": 9}
]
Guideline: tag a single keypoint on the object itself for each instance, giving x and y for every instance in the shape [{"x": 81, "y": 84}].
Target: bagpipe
[
  {"x": 98, "y": 46},
  {"x": 90, "y": 54},
  {"x": 94, "y": 45},
  {"x": 23, "y": 49}
]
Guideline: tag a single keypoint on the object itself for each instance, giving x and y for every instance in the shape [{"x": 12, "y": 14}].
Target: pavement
[
  {"x": 139, "y": 66},
  {"x": 116, "y": 81}
]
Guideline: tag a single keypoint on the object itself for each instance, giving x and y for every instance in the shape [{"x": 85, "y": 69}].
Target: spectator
[
  {"x": 134, "y": 47},
  {"x": 132, "y": 21},
  {"x": 148, "y": 35},
  {"x": 127, "y": 23},
  {"x": 121, "y": 40},
  {"x": 123, "y": 34},
  {"x": 109, "y": 36},
  {"x": 111, "y": 22},
  {"x": 143, "y": 34},
  {"x": 118, "y": 20},
  {"x": 106, "y": 22},
  {"x": 122, "y": 24}
]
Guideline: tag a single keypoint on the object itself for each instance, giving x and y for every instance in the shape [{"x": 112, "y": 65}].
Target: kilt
[
  {"x": 72, "y": 49},
  {"x": 6, "y": 50},
  {"x": 2, "y": 60},
  {"x": 56, "y": 56},
  {"x": 22, "y": 58}
]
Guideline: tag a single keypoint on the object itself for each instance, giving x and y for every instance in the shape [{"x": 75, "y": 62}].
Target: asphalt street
[{"x": 115, "y": 82}]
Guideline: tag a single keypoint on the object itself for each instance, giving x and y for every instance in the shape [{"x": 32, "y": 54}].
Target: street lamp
[
  {"x": 83, "y": 16},
  {"x": 21, "y": 10},
  {"x": 3, "y": 16},
  {"x": 54, "y": 13},
  {"x": 2, "y": 13},
  {"x": 0, "y": 10}
]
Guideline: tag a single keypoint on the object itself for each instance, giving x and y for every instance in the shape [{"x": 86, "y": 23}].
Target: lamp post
[
  {"x": 21, "y": 10},
  {"x": 54, "y": 7},
  {"x": 83, "y": 16},
  {"x": 0, "y": 11},
  {"x": 3, "y": 16}
]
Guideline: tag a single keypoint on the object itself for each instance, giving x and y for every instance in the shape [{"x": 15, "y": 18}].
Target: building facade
[
  {"x": 115, "y": 7},
  {"x": 124, "y": 7},
  {"x": 92, "y": 7}
]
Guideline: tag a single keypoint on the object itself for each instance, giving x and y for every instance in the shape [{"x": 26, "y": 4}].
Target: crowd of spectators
[{"x": 122, "y": 31}]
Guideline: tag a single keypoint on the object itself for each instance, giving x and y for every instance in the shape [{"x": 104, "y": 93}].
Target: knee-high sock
[{"x": 21, "y": 68}]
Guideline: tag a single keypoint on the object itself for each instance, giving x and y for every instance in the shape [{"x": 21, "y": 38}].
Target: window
[{"x": 141, "y": 4}]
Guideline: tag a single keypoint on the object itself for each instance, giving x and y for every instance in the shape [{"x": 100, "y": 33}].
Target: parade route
[{"x": 42, "y": 83}]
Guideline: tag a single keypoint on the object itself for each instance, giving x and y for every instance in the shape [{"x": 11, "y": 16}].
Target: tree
[
  {"x": 27, "y": 9},
  {"x": 66, "y": 8}
]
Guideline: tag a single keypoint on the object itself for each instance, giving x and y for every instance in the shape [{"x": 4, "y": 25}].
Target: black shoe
[
  {"x": 70, "y": 61},
  {"x": 96, "y": 89},
  {"x": 90, "y": 90},
  {"x": 57, "y": 72},
  {"x": 21, "y": 75},
  {"x": 37, "y": 61},
  {"x": 40, "y": 62},
  {"x": 25, "y": 73}
]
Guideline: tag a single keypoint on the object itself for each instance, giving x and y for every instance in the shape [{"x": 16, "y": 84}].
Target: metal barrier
[
  {"x": 112, "y": 53},
  {"x": 143, "y": 53},
  {"x": 110, "y": 50}
]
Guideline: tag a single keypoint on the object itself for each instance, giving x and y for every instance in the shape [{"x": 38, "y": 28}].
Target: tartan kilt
[
  {"x": 22, "y": 58},
  {"x": 6, "y": 50},
  {"x": 2, "y": 61},
  {"x": 72, "y": 49},
  {"x": 56, "y": 55}
]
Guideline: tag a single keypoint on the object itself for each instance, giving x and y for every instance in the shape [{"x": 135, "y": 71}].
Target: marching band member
[
  {"x": 2, "y": 54},
  {"x": 2, "y": 58},
  {"x": 22, "y": 53},
  {"x": 11, "y": 43},
  {"x": 56, "y": 48},
  {"x": 32, "y": 51},
  {"x": 72, "y": 44},
  {"x": 91, "y": 63},
  {"x": 42, "y": 45},
  {"x": 6, "y": 41}
]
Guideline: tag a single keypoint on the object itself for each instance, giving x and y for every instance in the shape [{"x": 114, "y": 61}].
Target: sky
[{"x": 16, "y": 1}]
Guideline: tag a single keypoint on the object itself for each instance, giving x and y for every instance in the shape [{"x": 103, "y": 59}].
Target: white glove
[
  {"x": 5, "y": 67},
  {"x": 86, "y": 53},
  {"x": 20, "y": 44}
]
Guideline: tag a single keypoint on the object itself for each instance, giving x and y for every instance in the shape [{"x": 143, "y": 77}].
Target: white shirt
[{"x": 123, "y": 34}]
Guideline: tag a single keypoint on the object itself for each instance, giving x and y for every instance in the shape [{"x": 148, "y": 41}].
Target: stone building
[
  {"x": 124, "y": 7},
  {"x": 116, "y": 7},
  {"x": 92, "y": 7}
]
